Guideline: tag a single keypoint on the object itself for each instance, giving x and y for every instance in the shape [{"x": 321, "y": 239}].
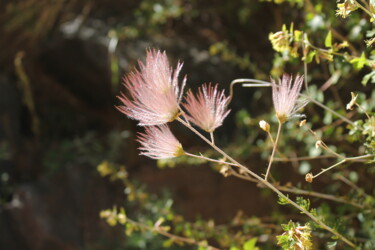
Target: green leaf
[
  {"x": 310, "y": 56},
  {"x": 282, "y": 200},
  {"x": 331, "y": 244},
  {"x": 367, "y": 78},
  {"x": 328, "y": 41},
  {"x": 297, "y": 35},
  {"x": 359, "y": 62},
  {"x": 250, "y": 244},
  {"x": 168, "y": 243}
]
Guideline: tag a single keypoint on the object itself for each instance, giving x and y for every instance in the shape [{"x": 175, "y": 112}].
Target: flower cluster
[
  {"x": 345, "y": 8},
  {"x": 155, "y": 96}
]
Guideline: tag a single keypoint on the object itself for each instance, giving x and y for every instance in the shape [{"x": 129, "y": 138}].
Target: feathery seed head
[
  {"x": 154, "y": 90},
  {"x": 158, "y": 142},
  {"x": 208, "y": 108},
  {"x": 285, "y": 97}
]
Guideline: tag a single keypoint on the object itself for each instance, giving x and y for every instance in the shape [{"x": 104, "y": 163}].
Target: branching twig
[
  {"x": 270, "y": 186},
  {"x": 174, "y": 237}
]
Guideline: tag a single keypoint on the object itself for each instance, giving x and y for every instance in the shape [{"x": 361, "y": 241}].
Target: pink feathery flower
[
  {"x": 158, "y": 142},
  {"x": 285, "y": 95},
  {"x": 154, "y": 90},
  {"x": 207, "y": 109}
]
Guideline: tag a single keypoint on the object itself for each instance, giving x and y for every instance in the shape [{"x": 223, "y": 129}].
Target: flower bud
[
  {"x": 352, "y": 102},
  {"x": 264, "y": 125},
  {"x": 309, "y": 177},
  {"x": 302, "y": 123},
  {"x": 225, "y": 170},
  {"x": 318, "y": 143}
]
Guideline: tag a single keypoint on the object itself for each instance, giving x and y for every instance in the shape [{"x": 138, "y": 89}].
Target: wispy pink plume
[
  {"x": 285, "y": 96},
  {"x": 154, "y": 90},
  {"x": 207, "y": 109},
  {"x": 158, "y": 142}
]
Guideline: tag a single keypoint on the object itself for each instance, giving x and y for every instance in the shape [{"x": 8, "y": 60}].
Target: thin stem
[
  {"x": 260, "y": 83},
  {"x": 325, "y": 147},
  {"x": 212, "y": 137},
  {"x": 327, "y": 169},
  {"x": 305, "y": 68},
  {"x": 360, "y": 157},
  {"x": 328, "y": 109},
  {"x": 364, "y": 9},
  {"x": 304, "y": 158},
  {"x": 270, "y": 136},
  {"x": 270, "y": 186},
  {"x": 355, "y": 158},
  {"x": 363, "y": 110},
  {"x": 319, "y": 195},
  {"x": 210, "y": 159},
  {"x": 351, "y": 184},
  {"x": 295, "y": 190},
  {"x": 273, "y": 150},
  {"x": 347, "y": 57},
  {"x": 169, "y": 235}
]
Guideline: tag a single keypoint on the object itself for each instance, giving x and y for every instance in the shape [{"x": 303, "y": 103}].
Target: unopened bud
[
  {"x": 242, "y": 171},
  {"x": 302, "y": 123},
  {"x": 264, "y": 125},
  {"x": 352, "y": 102},
  {"x": 225, "y": 170},
  {"x": 309, "y": 177},
  {"x": 318, "y": 143}
]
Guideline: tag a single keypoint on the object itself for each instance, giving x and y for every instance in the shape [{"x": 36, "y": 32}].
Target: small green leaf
[
  {"x": 250, "y": 244},
  {"x": 310, "y": 56},
  {"x": 297, "y": 35},
  {"x": 282, "y": 200},
  {"x": 359, "y": 62},
  {"x": 368, "y": 77},
  {"x": 168, "y": 243},
  {"x": 328, "y": 41},
  {"x": 331, "y": 244}
]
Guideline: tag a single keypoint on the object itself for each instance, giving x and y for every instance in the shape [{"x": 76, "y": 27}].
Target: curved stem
[
  {"x": 270, "y": 186},
  {"x": 258, "y": 83},
  {"x": 273, "y": 150},
  {"x": 268, "y": 84}
]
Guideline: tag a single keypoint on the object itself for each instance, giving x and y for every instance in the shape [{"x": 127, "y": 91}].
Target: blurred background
[{"x": 61, "y": 68}]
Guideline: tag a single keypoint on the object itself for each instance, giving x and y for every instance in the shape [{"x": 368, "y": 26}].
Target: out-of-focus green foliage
[{"x": 147, "y": 216}]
